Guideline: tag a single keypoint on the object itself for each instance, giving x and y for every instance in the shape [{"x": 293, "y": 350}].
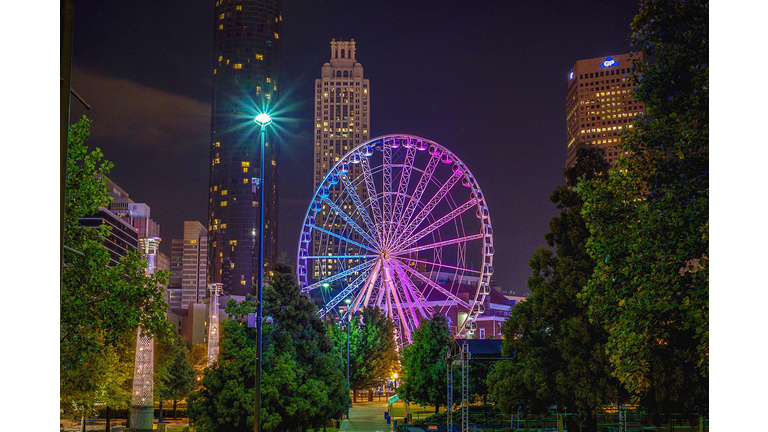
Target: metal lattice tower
[
  {"x": 143, "y": 380},
  {"x": 449, "y": 403},
  {"x": 465, "y": 356},
  {"x": 213, "y": 328}
]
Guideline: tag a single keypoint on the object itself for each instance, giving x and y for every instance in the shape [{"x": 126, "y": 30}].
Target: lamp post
[
  {"x": 349, "y": 321},
  {"x": 325, "y": 289},
  {"x": 263, "y": 120}
]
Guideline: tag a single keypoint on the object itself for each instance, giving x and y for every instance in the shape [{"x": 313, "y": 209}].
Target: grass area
[{"x": 417, "y": 411}]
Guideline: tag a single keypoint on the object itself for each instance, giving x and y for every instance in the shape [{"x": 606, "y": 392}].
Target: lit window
[
  {"x": 223, "y": 203},
  {"x": 239, "y": 8},
  {"x": 245, "y": 164},
  {"x": 237, "y": 66},
  {"x": 245, "y": 169},
  {"x": 269, "y": 80},
  {"x": 277, "y": 36},
  {"x": 223, "y": 192},
  {"x": 223, "y": 226},
  {"x": 245, "y": 181},
  {"x": 221, "y": 27},
  {"x": 259, "y": 57},
  {"x": 233, "y": 242}
]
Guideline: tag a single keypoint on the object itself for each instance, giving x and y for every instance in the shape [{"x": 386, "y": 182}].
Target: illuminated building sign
[
  {"x": 570, "y": 76},
  {"x": 609, "y": 62}
]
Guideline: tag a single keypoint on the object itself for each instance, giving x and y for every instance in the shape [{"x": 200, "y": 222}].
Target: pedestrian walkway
[{"x": 366, "y": 417}]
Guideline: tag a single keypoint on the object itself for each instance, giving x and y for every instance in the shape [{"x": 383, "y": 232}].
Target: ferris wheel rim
[{"x": 371, "y": 258}]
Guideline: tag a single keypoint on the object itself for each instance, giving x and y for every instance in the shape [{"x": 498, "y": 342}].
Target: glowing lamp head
[
  {"x": 263, "y": 119},
  {"x": 394, "y": 375},
  {"x": 348, "y": 301},
  {"x": 326, "y": 285}
]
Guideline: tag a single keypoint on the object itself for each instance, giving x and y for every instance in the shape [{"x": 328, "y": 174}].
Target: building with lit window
[
  {"x": 599, "y": 104},
  {"x": 342, "y": 108},
  {"x": 342, "y": 116},
  {"x": 246, "y": 70},
  {"x": 188, "y": 266}
]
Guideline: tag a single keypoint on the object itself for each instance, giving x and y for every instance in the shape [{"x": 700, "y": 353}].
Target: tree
[
  {"x": 649, "y": 222},
  {"x": 372, "y": 350},
  {"x": 423, "y": 365},
  {"x": 101, "y": 306},
  {"x": 558, "y": 353},
  {"x": 180, "y": 375},
  {"x": 302, "y": 382}
]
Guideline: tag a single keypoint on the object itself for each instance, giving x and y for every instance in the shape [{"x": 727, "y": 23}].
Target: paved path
[{"x": 366, "y": 417}]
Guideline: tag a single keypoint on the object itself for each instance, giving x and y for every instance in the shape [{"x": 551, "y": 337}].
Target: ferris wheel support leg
[
  {"x": 368, "y": 287},
  {"x": 403, "y": 319}
]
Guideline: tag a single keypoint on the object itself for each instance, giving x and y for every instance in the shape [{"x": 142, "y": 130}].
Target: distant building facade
[
  {"x": 342, "y": 119},
  {"x": 599, "y": 104},
  {"x": 188, "y": 265},
  {"x": 246, "y": 72}
]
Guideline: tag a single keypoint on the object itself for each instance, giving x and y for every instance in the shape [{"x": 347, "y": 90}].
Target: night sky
[{"x": 485, "y": 79}]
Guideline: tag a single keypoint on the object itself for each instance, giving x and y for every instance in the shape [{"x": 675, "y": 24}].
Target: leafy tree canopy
[
  {"x": 424, "y": 371},
  {"x": 559, "y": 356},
  {"x": 649, "y": 222},
  {"x": 302, "y": 382},
  {"x": 101, "y": 305}
]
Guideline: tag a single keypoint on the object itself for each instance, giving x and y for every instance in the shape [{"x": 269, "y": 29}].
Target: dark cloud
[{"x": 134, "y": 115}]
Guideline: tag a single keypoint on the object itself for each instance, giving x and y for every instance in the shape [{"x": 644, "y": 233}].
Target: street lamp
[
  {"x": 325, "y": 290},
  {"x": 263, "y": 120}
]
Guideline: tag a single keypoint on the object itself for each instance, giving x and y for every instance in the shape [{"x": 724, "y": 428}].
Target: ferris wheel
[{"x": 399, "y": 223}]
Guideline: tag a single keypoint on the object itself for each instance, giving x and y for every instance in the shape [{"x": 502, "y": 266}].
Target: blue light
[
  {"x": 609, "y": 62},
  {"x": 570, "y": 77}
]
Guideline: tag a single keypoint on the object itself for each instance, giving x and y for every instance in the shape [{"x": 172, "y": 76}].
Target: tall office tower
[
  {"x": 342, "y": 119},
  {"x": 599, "y": 104},
  {"x": 188, "y": 266},
  {"x": 246, "y": 69},
  {"x": 342, "y": 109},
  {"x": 177, "y": 267}
]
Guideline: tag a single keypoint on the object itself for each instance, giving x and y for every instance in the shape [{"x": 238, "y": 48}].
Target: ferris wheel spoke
[
  {"x": 421, "y": 186},
  {"x": 360, "y": 207},
  {"x": 340, "y": 257},
  {"x": 419, "y": 299},
  {"x": 439, "y": 244},
  {"x": 434, "y": 285},
  {"x": 386, "y": 215},
  {"x": 343, "y": 294},
  {"x": 348, "y": 219},
  {"x": 421, "y": 217},
  {"x": 372, "y": 197},
  {"x": 402, "y": 188},
  {"x": 440, "y": 222},
  {"x": 441, "y": 265},
  {"x": 341, "y": 237},
  {"x": 337, "y": 276}
]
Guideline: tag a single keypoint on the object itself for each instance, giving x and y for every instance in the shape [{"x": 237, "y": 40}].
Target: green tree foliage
[
  {"x": 180, "y": 376},
  {"x": 302, "y": 382},
  {"x": 373, "y": 357},
  {"x": 559, "y": 356},
  {"x": 423, "y": 364},
  {"x": 101, "y": 306},
  {"x": 649, "y": 222}
]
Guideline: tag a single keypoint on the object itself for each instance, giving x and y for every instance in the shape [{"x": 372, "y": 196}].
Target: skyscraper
[
  {"x": 246, "y": 66},
  {"x": 342, "y": 117},
  {"x": 599, "y": 104},
  {"x": 188, "y": 258},
  {"x": 342, "y": 108}
]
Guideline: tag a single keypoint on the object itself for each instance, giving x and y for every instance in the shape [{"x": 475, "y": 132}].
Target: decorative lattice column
[
  {"x": 143, "y": 396},
  {"x": 213, "y": 327}
]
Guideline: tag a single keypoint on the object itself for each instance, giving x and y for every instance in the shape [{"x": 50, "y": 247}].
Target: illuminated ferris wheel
[{"x": 399, "y": 223}]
